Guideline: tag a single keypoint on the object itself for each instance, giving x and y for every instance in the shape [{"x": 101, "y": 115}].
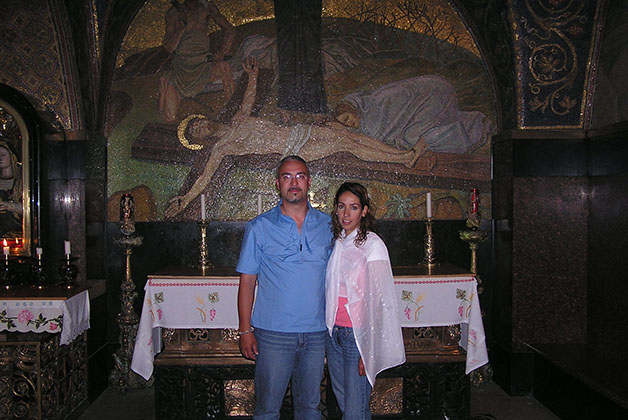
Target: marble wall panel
[
  {"x": 550, "y": 260},
  {"x": 608, "y": 243}
]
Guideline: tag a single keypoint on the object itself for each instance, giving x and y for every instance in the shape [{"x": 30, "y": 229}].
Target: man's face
[
  {"x": 349, "y": 119},
  {"x": 294, "y": 182}
]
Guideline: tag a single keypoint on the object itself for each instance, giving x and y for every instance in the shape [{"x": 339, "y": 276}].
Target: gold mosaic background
[
  {"x": 134, "y": 121},
  {"x": 31, "y": 59}
]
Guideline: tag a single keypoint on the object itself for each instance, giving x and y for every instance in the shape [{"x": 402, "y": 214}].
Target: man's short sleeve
[{"x": 248, "y": 263}]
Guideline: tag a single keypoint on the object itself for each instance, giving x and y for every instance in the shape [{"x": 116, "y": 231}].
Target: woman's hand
[{"x": 361, "y": 369}]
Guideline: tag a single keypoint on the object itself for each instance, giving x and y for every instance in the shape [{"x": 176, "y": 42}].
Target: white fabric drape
[{"x": 371, "y": 302}]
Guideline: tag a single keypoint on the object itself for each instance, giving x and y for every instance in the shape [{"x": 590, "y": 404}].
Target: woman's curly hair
[{"x": 367, "y": 223}]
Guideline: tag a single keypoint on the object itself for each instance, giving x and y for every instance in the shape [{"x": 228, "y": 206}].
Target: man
[
  {"x": 187, "y": 40},
  {"x": 285, "y": 251}
]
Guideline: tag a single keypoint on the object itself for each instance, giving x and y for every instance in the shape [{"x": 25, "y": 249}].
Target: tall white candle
[
  {"x": 203, "y": 214},
  {"x": 429, "y": 204},
  {"x": 67, "y": 247},
  {"x": 259, "y": 204}
]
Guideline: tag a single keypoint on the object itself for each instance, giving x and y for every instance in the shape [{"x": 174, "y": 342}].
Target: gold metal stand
[
  {"x": 429, "y": 260},
  {"x": 122, "y": 377},
  {"x": 204, "y": 249},
  {"x": 474, "y": 237}
]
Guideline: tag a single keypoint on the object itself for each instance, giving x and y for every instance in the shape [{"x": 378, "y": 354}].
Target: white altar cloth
[
  {"x": 195, "y": 302},
  {"x": 69, "y": 316},
  {"x": 211, "y": 302},
  {"x": 442, "y": 301}
]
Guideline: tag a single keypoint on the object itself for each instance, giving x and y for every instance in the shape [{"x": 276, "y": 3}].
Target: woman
[
  {"x": 11, "y": 209},
  {"x": 361, "y": 313}
]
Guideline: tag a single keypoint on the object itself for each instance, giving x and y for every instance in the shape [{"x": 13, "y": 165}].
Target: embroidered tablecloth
[
  {"x": 178, "y": 302},
  {"x": 182, "y": 303},
  {"x": 68, "y": 316},
  {"x": 442, "y": 301}
]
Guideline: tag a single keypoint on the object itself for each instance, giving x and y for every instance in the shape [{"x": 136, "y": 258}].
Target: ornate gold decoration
[
  {"x": 42, "y": 379},
  {"x": 167, "y": 334},
  {"x": 429, "y": 259},
  {"x": 387, "y": 396},
  {"x": 122, "y": 377},
  {"x": 204, "y": 248},
  {"x": 550, "y": 36},
  {"x": 239, "y": 397}
]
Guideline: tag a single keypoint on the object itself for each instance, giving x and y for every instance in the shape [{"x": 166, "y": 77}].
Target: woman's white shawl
[{"x": 371, "y": 302}]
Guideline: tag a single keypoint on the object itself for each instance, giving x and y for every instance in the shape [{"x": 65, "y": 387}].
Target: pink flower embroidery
[
  {"x": 159, "y": 313},
  {"x": 460, "y": 309},
  {"x": 212, "y": 314},
  {"x": 407, "y": 312},
  {"x": 24, "y": 316},
  {"x": 473, "y": 335},
  {"x": 53, "y": 326}
]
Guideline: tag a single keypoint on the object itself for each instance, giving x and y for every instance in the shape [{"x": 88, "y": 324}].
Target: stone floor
[{"x": 488, "y": 402}]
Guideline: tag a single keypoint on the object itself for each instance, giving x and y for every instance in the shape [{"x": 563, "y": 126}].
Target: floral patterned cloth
[
  {"x": 441, "y": 301},
  {"x": 212, "y": 303},
  {"x": 70, "y": 317},
  {"x": 182, "y": 303}
]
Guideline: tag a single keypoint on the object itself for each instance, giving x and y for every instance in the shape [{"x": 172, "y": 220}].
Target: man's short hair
[{"x": 293, "y": 158}]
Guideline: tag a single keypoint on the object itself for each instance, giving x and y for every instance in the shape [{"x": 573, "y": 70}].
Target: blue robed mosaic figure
[{"x": 284, "y": 252}]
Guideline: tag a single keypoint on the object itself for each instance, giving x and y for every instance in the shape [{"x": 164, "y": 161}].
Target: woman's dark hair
[{"x": 367, "y": 223}]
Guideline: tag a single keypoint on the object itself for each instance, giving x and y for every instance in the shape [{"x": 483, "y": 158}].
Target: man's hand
[
  {"x": 361, "y": 369},
  {"x": 248, "y": 346},
  {"x": 174, "y": 207},
  {"x": 251, "y": 66}
]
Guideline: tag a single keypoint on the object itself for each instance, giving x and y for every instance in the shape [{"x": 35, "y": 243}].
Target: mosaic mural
[
  {"x": 554, "y": 54},
  {"x": 207, "y": 97}
]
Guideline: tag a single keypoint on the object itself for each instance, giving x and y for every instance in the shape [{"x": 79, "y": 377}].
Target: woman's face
[
  {"x": 5, "y": 158},
  {"x": 350, "y": 211},
  {"x": 349, "y": 119}
]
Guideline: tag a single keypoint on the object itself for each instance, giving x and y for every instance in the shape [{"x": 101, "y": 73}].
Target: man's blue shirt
[{"x": 290, "y": 269}]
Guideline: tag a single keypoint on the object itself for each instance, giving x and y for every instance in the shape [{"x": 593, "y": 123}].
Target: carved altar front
[
  {"x": 201, "y": 374},
  {"x": 43, "y": 372}
]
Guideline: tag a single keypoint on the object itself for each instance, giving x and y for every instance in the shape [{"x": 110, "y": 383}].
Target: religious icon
[
  {"x": 15, "y": 226},
  {"x": 127, "y": 214}
]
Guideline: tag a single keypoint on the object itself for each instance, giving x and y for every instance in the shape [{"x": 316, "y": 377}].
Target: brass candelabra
[
  {"x": 429, "y": 260},
  {"x": 474, "y": 237},
  {"x": 68, "y": 272},
  {"x": 40, "y": 278},
  {"x": 7, "y": 277},
  {"x": 204, "y": 248}
]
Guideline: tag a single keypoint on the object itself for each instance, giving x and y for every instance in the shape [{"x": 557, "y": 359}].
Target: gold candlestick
[
  {"x": 429, "y": 259},
  {"x": 204, "y": 249},
  {"x": 474, "y": 238}
]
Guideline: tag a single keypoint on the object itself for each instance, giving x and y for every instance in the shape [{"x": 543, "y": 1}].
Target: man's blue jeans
[
  {"x": 352, "y": 391},
  {"x": 282, "y": 356}
]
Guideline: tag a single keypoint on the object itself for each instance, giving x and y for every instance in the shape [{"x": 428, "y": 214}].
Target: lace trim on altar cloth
[{"x": 75, "y": 317}]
